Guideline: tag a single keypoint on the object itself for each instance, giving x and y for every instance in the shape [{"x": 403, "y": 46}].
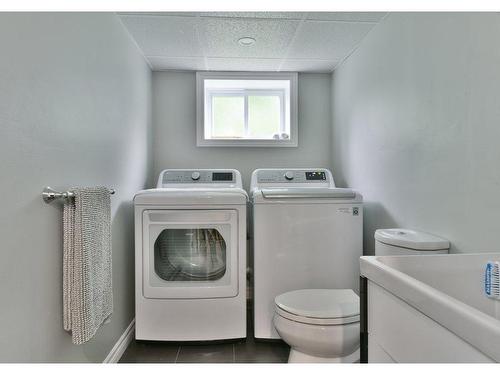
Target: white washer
[
  {"x": 190, "y": 257},
  {"x": 307, "y": 234}
]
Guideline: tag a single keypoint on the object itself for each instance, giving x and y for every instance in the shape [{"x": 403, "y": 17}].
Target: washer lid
[
  {"x": 308, "y": 195},
  {"x": 320, "y": 303},
  {"x": 291, "y": 193},
  {"x": 411, "y": 239}
]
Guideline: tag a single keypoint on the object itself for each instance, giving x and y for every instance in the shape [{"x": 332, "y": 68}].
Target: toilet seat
[{"x": 319, "y": 306}]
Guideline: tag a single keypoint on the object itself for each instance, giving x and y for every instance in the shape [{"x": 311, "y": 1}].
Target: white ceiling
[{"x": 285, "y": 41}]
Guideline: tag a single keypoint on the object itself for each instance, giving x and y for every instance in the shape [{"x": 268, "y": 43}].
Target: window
[{"x": 247, "y": 109}]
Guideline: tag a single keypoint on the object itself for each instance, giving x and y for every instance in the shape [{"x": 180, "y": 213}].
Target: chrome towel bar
[{"x": 49, "y": 195}]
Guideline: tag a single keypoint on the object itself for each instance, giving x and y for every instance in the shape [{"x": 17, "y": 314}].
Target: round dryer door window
[{"x": 190, "y": 255}]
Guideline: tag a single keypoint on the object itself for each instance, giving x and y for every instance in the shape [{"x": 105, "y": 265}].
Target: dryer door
[{"x": 190, "y": 253}]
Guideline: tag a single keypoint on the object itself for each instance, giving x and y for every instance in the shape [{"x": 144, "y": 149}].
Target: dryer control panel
[{"x": 193, "y": 177}]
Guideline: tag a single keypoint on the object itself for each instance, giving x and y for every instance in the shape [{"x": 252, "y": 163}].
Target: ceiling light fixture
[{"x": 246, "y": 41}]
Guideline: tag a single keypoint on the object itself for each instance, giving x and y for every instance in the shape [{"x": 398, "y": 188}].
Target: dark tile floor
[{"x": 246, "y": 350}]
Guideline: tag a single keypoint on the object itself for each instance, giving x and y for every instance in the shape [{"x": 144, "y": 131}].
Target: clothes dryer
[{"x": 190, "y": 259}]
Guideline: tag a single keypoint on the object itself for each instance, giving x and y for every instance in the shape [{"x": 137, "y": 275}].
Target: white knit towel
[{"x": 87, "y": 277}]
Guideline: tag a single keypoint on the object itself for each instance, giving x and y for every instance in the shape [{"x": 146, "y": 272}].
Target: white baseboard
[{"x": 121, "y": 345}]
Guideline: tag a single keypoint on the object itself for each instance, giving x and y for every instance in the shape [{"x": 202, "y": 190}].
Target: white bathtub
[{"x": 430, "y": 309}]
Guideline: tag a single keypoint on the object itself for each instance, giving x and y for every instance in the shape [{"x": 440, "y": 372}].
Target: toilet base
[{"x": 299, "y": 357}]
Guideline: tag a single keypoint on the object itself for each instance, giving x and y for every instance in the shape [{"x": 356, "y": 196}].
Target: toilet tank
[{"x": 398, "y": 241}]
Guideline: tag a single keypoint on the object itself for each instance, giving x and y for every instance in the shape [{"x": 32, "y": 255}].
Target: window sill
[{"x": 246, "y": 143}]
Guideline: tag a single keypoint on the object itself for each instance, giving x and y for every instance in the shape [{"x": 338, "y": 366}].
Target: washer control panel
[
  {"x": 316, "y": 176},
  {"x": 302, "y": 176},
  {"x": 198, "y": 177}
]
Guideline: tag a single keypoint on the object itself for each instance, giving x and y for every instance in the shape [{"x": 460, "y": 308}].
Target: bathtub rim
[{"x": 467, "y": 322}]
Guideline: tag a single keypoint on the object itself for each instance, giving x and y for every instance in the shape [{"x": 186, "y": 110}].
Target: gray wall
[
  {"x": 74, "y": 110},
  {"x": 416, "y": 113},
  {"x": 174, "y": 118}
]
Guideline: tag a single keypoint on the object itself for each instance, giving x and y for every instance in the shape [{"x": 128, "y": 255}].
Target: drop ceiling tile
[
  {"x": 220, "y": 37},
  {"x": 306, "y": 65},
  {"x": 164, "y": 36},
  {"x": 176, "y": 63},
  {"x": 268, "y": 15},
  {"x": 346, "y": 16},
  {"x": 327, "y": 40},
  {"x": 243, "y": 64},
  {"x": 168, "y": 14},
  {"x": 320, "y": 16}
]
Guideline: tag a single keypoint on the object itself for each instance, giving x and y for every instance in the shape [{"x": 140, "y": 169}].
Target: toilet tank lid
[
  {"x": 411, "y": 239},
  {"x": 320, "y": 303}
]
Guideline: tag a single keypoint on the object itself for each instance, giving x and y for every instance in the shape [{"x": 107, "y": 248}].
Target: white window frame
[{"x": 201, "y": 132}]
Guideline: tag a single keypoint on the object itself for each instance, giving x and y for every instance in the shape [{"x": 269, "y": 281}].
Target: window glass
[
  {"x": 264, "y": 117},
  {"x": 228, "y": 116}
]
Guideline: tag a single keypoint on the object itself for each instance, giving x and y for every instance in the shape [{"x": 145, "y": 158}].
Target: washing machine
[
  {"x": 307, "y": 234},
  {"x": 190, "y": 257}
]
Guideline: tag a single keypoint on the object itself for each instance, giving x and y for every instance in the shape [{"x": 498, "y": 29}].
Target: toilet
[
  {"x": 398, "y": 241},
  {"x": 322, "y": 325}
]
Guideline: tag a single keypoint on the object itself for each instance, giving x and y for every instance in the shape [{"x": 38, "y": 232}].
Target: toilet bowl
[{"x": 320, "y": 325}]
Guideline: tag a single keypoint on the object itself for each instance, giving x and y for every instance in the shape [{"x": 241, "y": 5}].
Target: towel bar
[{"x": 49, "y": 195}]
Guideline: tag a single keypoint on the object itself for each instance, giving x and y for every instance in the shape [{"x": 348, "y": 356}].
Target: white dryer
[
  {"x": 190, "y": 257},
  {"x": 307, "y": 234}
]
